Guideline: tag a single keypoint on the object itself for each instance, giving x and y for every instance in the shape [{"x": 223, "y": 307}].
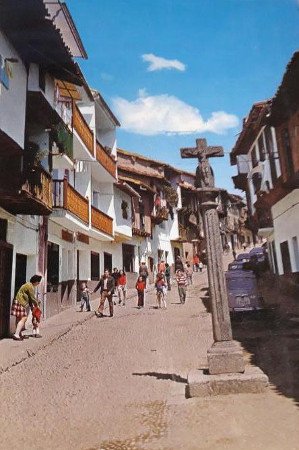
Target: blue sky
[{"x": 217, "y": 57}]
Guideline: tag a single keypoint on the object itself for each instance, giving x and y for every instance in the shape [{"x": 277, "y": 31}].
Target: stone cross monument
[
  {"x": 225, "y": 356},
  {"x": 226, "y": 368}
]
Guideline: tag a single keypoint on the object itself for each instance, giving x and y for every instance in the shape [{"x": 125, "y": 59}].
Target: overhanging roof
[
  {"x": 62, "y": 18},
  {"x": 137, "y": 183},
  {"x": 251, "y": 127},
  {"x": 285, "y": 101},
  {"x": 32, "y": 33}
]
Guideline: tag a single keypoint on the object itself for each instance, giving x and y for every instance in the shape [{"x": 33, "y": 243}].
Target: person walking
[
  {"x": 161, "y": 266},
  {"x": 143, "y": 272},
  {"x": 181, "y": 279},
  {"x": 167, "y": 276},
  {"x": 200, "y": 266},
  {"x": 115, "y": 275},
  {"x": 160, "y": 286},
  {"x": 140, "y": 286},
  {"x": 122, "y": 288},
  {"x": 106, "y": 286},
  {"x": 24, "y": 301},
  {"x": 84, "y": 297},
  {"x": 195, "y": 262},
  {"x": 189, "y": 273}
]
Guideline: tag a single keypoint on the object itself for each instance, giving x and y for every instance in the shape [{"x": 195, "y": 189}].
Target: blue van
[{"x": 243, "y": 291}]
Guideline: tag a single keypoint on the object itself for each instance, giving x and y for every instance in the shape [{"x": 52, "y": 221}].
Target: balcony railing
[
  {"x": 101, "y": 221},
  {"x": 39, "y": 187},
  {"x": 66, "y": 197},
  {"x": 82, "y": 129},
  {"x": 105, "y": 160}
]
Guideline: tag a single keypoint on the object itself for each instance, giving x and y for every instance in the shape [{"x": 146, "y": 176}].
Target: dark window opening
[
  {"x": 288, "y": 157},
  {"x": 262, "y": 148},
  {"x": 274, "y": 258},
  {"x": 285, "y": 257},
  {"x": 3, "y": 230},
  {"x": 254, "y": 157},
  {"x": 95, "y": 266},
  {"x": 42, "y": 79}
]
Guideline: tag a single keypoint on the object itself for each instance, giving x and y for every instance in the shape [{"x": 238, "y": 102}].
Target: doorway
[
  {"x": 128, "y": 257},
  {"x": 6, "y": 251},
  {"x": 53, "y": 267},
  {"x": 21, "y": 269},
  {"x": 108, "y": 261}
]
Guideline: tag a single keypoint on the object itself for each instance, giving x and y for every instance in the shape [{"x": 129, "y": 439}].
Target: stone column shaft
[{"x": 222, "y": 330}]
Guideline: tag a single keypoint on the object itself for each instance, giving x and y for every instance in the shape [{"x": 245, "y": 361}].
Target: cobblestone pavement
[{"x": 119, "y": 384}]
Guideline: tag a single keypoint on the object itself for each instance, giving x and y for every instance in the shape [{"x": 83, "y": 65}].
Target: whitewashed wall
[
  {"x": 286, "y": 227},
  {"x": 13, "y": 100},
  {"x": 121, "y": 225}
]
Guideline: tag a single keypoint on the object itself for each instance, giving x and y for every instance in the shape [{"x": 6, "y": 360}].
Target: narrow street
[{"x": 119, "y": 384}]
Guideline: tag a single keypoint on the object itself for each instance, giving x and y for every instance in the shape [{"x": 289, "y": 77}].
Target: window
[
  {"x": 271, "y": 151},
  {"x": 3, "y": 229},
  {"x": 254, "y": 157},
  {"x": 273, "y": 257},
  {"x": 285, "y": 257},
  {"x": 95, "y": 266},
  {"x": 288, "y": 157},
  {"x": 42, "y": 79},
  {"x": 262, "y": 148}
]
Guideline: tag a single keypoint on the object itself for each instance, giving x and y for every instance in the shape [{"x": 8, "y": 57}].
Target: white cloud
[
  {"x": 166, "y": 114},
  {"x": 159, "y": 63}
]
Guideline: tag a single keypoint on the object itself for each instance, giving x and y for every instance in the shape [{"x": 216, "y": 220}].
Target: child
[
  {"x": 122, "y": 287},
  {"x": 140, "y": 286},
  {"x": 161, "y": 289},
  {"x": 36, "y": 316},
  {"x": 181, "y": 279},
  {"x": 84, "y": 297}
]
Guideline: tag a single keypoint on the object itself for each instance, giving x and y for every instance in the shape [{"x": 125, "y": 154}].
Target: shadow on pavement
[
  {"x": 272, "y": 340},
  {"x": 206, "y": 302},
  {"x": 162, "y": 376}
]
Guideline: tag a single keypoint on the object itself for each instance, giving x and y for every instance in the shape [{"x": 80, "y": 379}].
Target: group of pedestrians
[{"x": 110, "y": 285}]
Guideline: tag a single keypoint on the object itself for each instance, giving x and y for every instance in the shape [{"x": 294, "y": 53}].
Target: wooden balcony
[
  {"x": 66, "y": 197},
  {"x": 105, "y": 160},
  {"x": 26, "y": 193},
  {"x": 159, "y": 214},
  {"x": 101, "y": 222},
  {"x": 82, "y": 129}
]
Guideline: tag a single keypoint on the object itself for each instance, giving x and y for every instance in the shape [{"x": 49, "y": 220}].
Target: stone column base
[
  {"x": 225, "y": 357},
  {"x": 253, "y": 381}
]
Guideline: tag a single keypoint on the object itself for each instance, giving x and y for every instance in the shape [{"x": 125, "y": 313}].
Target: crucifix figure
[{"x": 204, "y": 172}]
